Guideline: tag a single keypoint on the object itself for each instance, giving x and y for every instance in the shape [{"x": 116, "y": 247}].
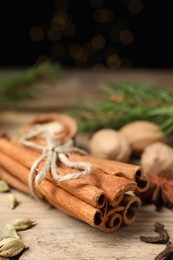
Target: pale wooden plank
[{"x": 58, "y": 236}]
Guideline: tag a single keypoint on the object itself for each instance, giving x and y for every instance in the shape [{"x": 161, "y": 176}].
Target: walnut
[
  {"x": 140, "y": 134},
  {"x": 109, "y": 144},
  {"x": 157, "y": 158}
]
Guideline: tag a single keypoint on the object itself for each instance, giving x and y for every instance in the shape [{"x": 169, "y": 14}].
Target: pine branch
[
  {"x": 21, "y": 86},
  {"x": 124, "y": 103}
]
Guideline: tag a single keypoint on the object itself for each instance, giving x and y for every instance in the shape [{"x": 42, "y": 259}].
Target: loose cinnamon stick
[
  {"x": 131, "y": 204},
  {"x": 25, "y": 156},
  {"x": 129, "y": 171}
]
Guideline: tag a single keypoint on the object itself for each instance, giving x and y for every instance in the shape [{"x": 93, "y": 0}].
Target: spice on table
[
  {"x": 159, "y": 193},
  {"x": 12, "y": 201},
  {"x": 98, "y": 199},
  {"x": 158, "y": 158},
  {"x": 140, "y": 134},
  {"x": 162, "y": 238},
  {"x": 23, "y": 223},
  {"x": 9, "y": 231},
  {"x": 4, "y": 186},
  {"x": 10, "y": 247},
  {"x": 166, "y": 254},
  {"x": 110, "y": 144},
  {"x": 157, "y": 164}
]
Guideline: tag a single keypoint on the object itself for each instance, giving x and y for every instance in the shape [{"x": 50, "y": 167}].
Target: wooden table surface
[{"x": 56, "y": 235}]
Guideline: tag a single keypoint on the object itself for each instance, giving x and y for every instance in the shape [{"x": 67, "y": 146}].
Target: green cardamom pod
[
  {"x": 4, "y": 186},
  {"x": 12, "y": 201},
  {"x": 9, "y": 231},
  {"x": 23, "y": 223},
  {"x": 10, "y": 247}
]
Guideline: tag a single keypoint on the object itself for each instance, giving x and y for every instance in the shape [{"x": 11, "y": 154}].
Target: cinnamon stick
[
  {"x": 94, "y": 185},
  {"x": 113, "y": 217},
  {"x": 13, "y": 181},
  {"x": 80, "y": 188},
  {"x": 131, "y": 204},
  {"x": 98, "y": 199},
  {"x": 104, "y": 219},
  {"x": 114, "y": 187},
  {"x": 26, "y": 157},
  {"x": 129, "y": 171},
  {"x": 107, "y": 220},
  {"x": 56, "y": 196}
]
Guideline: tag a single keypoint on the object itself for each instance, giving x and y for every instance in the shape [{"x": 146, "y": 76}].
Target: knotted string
[{"x": 52, "y": 153}]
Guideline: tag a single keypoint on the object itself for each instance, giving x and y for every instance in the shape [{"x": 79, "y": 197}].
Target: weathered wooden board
[{"x": 58, "y": 236}]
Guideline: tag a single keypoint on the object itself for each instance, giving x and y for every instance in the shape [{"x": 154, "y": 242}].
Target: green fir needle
[{"x": 127, "y": 102}]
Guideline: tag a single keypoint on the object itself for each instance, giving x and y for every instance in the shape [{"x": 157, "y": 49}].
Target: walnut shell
[
  {"x": 140, "y": 134},
  {"x": 109, "y": 144},
  {"x": 157, "y": 158}
]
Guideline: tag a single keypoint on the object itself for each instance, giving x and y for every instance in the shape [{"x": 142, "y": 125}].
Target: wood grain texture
[{"x": 56, "y": 235}]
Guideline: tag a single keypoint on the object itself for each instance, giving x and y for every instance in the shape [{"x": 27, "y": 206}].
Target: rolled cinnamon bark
[
  {"x": 112, "y": 186},
  {"x": 14, "y": 182},
  {"x": 113, "y": 219},
  {"x": 129, "y": 171},
  {"x": 56, "y": 196},
  {"x": 130, "y": 203},
  {"x": 79, "y": 188}
]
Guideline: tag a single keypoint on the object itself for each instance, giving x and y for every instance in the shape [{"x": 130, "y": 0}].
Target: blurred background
[{"x": 95, "y": 34}]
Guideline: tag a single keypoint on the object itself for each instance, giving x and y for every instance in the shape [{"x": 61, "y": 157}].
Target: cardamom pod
[
  {"x": 9, "y": 231},
  {"x": 10, "y": 247},
  {"x": 4, "y": 186},
  {"x": 23, "y": 223},
  {"x": 12, "y": 201}
]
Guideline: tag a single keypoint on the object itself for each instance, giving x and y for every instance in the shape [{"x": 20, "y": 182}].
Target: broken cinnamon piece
[{"x": 162, "y": 238}]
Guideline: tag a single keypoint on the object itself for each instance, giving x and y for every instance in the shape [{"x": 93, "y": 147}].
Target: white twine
[{"x": 52, "y": 153}]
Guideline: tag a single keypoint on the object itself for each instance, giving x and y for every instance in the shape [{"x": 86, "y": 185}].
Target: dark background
[{"x": 87, "y": 33}]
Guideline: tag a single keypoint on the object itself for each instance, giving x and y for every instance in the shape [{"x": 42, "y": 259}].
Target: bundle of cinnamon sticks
[{"x": 104, "y": 199}]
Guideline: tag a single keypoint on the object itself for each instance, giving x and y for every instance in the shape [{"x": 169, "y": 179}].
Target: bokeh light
[
  {"x": 98, "y": 42},
  {"x": 74, "y": 41},
  {"x": 104, "y": 16},
  {"x": 135, "y": 6},
  {"x": 126, "y": 37},
  {"x": 37, "y": 34}
]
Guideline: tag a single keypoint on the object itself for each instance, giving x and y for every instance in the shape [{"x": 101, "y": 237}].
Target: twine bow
[{"x": 52, "y": 153}]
